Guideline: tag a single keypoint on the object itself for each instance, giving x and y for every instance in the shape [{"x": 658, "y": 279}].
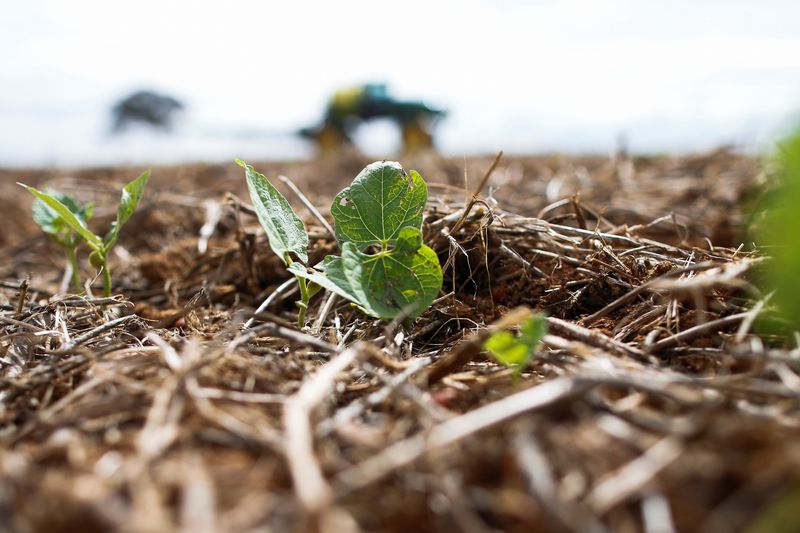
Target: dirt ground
[{"x": 650, "y": 406}]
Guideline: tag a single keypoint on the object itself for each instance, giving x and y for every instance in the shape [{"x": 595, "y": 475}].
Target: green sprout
[
  {"x": 62, "y": 233},
  {"x": 779, "y": 233},
  {"x": 384, "y": 269},
  {"x": 775, "y": 227},
  {"x": 285, "y": 230},
  {"x": 66, "y": 217},
  {"x": 515, "y": 351}
]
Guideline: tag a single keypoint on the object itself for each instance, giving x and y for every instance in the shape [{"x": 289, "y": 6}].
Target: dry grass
[{"x": 651, "y": 406}]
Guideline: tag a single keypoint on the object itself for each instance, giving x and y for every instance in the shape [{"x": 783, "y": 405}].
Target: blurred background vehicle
[
  {"x": 145, "y": 107},
  {"x": 350, "y": 107},
  {"x": 525, "y": 77}
]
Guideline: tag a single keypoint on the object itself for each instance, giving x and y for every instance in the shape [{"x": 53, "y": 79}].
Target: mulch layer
[{"x": 653, "y": 404}]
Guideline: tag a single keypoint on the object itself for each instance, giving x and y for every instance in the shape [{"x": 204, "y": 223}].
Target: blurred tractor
[
  {"x": 348, "y": 108},
  {"x": 145, "y": 107}
]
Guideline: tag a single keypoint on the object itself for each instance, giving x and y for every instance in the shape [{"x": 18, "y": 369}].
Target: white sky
[{"x": 540, "y": 75}]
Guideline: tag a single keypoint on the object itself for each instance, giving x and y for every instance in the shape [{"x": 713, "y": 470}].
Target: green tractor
[{"x": 349, "y": 108}]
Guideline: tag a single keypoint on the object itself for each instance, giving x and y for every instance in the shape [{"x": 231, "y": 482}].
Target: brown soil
[{"x": 650, "y": 406}]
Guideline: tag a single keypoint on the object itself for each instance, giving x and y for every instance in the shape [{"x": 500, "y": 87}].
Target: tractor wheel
[
  {"x": 416, "y": 138},
  {"x": 330, "y": 139}
]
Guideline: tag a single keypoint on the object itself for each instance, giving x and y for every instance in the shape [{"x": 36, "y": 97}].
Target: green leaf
[
  {"x": 51, "y": 222},
  {"x": 67, "y": 216},
  {"x": 382, "y": 200},
  {"x": 284, "y": 229},
  {"x": 409, "y": 240},
  {"x": 516, "y": 350},
  {"x": 392, "y": 282},
  {"x": 131, "y": 194},
  {"x": 779, "y": 234},
  {"x": 332, "y": 279},
  {"x": 383, "y": 207},
  {"x": 384, "y": 284}
]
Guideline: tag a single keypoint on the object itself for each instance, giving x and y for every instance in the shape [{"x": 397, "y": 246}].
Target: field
[{"x": 651, "y": 404}]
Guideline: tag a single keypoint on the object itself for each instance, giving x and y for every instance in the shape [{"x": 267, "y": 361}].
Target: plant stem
[
  {"x": 106, "y": 280},
  {"x": 304, "y": 296},
  {"x": 303, "y": 304},
  {"x": 73, "y": 264}
]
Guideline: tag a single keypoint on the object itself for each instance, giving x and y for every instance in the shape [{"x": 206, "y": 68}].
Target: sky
[{"x": 569, "y": 76}]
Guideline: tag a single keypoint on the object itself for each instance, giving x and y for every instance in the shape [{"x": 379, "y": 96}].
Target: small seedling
[
  {"x": 515, "y": 351},
  {"x": 285, "y": 231},
  {"x": 384, "y": 269},
  {"x": 62, "y": 233},
  {"x": 101, "y": 246},
  {"x": 779, "y": 234}
]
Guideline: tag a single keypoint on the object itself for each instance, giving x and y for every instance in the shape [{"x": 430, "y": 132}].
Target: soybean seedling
[
  {"x": 101, "y": 246},
  {"x": 779, "y": 235},
  {"x": 285, "y": 230},
  {"x": 515, "y": 351},
  {"x": 384, "y": 269},
  {"x": 62, "y": 233}
]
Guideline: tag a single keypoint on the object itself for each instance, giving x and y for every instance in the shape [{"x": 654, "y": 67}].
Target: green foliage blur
[
  {"x": 778, "y": 236},
  {"x": 514, "y": 351}
]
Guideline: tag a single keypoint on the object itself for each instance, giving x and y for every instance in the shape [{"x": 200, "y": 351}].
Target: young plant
[
  {"x": 285, "y": 231},
  {"x": 62, "y": 233},
  {"x": 384, "y": 267},
  {"x": 515, "y": 351},
  {"x": 779, "y": 234},
  {"x": 101, "y": 246}
]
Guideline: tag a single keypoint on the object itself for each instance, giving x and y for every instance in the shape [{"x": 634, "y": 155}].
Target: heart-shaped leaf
[
  {"x": 395, "y": 281},
  {"x": 405, "y": 279},
  {"x": 383, "y": 209},
  {"x": 382, "y": 200}
]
